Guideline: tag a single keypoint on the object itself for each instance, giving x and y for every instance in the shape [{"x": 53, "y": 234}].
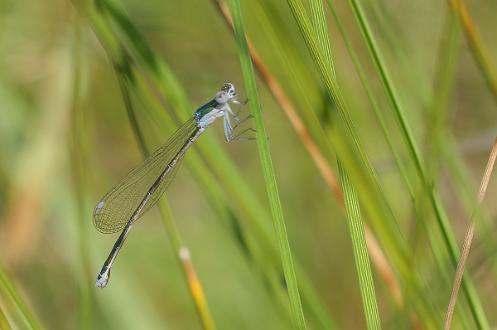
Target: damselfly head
[{"x": 226, "y": 93}]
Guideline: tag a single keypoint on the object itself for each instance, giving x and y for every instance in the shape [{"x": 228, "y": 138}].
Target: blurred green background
[{"x": 66, "y": 139}]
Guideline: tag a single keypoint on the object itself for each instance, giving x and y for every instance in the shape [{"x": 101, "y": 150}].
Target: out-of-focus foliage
[{"x": 66, "y": 138}]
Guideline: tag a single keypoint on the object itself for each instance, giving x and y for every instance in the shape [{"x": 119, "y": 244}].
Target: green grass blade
[
  {"x": 302, "y": 92},
  {"x": 444, "y": 143},
  {"x": 442, "y": 85},
  {"x": 4, "y": 323},
  {"x": 406, "y": 130},
  {"x": 78, "y": 155},
  {"x": 436, "y": 136},
  {"x": 374, "y": 103},
  {"x": 347, "y": 146},
  {"x": 360, "y": 252},
  {"x": 321, "y": 27},
  {"x": 446, "y": 61},
  {"x": 9, "y": 294},
  {"x": 413, "y": 291},
  {"x": 343, "y": 137},
  {"x": 442, "y": 221},
  {"x": 351, "y": 200},
  {"x": 267, "y": 167}
]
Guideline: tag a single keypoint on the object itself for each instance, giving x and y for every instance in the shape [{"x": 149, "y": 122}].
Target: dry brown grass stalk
[{"x": 468, "y": 239}]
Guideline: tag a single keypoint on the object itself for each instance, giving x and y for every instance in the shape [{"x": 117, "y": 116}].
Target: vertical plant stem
[
  {"x": 447, "y": 55},
  {"x": 267, "y": 168},
  {"x": 77, "y": 153}
]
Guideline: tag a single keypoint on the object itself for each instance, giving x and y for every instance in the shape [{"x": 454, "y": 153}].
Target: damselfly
[{"x": 142, "y": 187}]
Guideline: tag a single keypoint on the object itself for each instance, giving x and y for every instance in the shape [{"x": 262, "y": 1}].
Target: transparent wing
[{"x": 116, "y": 208}]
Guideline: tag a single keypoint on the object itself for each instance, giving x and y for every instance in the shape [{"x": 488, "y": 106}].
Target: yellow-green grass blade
[
  {"x": 18, "y": 312},
  {"x": 4, "y": 323},
  {"x": 78, "y": 155}
]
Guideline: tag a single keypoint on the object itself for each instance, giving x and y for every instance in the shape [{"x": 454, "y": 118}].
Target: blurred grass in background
[{"x": 88, "y": 87}]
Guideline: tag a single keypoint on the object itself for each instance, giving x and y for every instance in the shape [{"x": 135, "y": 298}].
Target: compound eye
[{"x": 228, "y": 90}]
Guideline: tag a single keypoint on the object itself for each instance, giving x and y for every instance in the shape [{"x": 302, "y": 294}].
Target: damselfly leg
[
  {"x": 229, "y": 129},
  {"x": 243, "y": 134}
]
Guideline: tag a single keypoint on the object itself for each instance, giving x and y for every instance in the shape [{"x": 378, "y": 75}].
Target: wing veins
[{"x": 116, "y": 208}]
